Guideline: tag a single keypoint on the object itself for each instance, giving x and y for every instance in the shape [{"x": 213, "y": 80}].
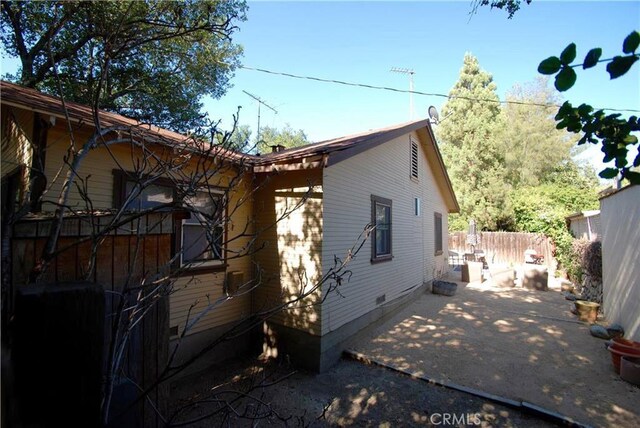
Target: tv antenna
[
  {"x": 410, "y": 72},
  {"x": 260, "y": 102}
]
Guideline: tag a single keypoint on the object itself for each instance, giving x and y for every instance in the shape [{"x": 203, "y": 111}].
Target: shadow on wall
[{"x": 290, "y": 261}]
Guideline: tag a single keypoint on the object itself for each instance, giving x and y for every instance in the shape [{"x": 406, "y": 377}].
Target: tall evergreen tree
[{"x": 470, "y": 138}]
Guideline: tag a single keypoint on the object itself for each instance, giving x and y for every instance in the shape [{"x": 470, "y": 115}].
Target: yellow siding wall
[
  {"x": 291, "y": 259},
  {"x": 348, "y": 185},
  {"x": 17, "y": 130},
  {"x": 97, "y": 171},
  {"x": 204, "y": 289}
]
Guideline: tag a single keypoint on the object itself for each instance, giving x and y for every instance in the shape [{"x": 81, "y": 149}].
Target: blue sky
[{"x": 361, "y": 41}]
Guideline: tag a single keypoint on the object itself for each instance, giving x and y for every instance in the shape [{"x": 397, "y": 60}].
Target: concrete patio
[{"x": 519, "y": 344}]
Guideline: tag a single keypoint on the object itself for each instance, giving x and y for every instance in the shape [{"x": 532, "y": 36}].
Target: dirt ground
[
  {"x": 520, "y": 344},
  {"x": 350, "y": 394}
]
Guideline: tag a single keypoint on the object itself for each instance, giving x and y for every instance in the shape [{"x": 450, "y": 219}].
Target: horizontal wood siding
[
  {"x": 506, "y": 247},
  {"x": 17, "y": 151},
  {"x": 383, "y": 171},
  {"x": 200, "y": 290},
  {"x": 291, "y": 253}
]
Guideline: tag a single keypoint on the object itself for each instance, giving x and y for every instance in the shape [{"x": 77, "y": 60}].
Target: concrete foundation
[{"x": 319, "y": 353}]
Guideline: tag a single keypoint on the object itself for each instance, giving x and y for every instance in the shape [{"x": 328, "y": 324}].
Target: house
[
  {"x": 584, "y": 225},
  {"x": 620, "y": 216},
  {"x": 300, "y": 209}
]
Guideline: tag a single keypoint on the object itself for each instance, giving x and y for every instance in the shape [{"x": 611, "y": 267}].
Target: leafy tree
[
  {"x": 613, "y": 132},
  {"x": 150, "y": 60},
  {"x": 287, "y": 137},
  {"x": 471, "y": 148},
  {"x": 543, "y": 209},
  {"x": 533, "y": 146},
  {"x": 511, "y": 6}
]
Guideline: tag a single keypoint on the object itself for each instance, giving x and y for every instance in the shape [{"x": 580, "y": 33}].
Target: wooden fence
[
  {"x": 128, "y": 255},
  {"x": 506, "y": 247}
]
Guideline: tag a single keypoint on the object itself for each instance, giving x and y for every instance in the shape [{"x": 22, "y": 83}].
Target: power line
[{"x": 404, "y": 91}]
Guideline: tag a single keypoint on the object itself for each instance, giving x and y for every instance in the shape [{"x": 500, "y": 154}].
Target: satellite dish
[{"x": 433, "y": 114}]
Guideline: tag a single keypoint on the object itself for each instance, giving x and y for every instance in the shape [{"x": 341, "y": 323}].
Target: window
[
  {"x": 414, "y": 159},
  {"x": 437, "y": 224},
  {"x": 200, "y": 238},
  {"x": 202, "y": 245},
  {"x": 417, "y": 207},
  {"x": 381, "y": 219}
]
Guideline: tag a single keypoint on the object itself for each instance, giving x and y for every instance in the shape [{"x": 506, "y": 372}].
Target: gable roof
[
  {"x": 39, "y": 102},
  {"x": 330, "y": 152},
  {"x": 315, "y": 155}
]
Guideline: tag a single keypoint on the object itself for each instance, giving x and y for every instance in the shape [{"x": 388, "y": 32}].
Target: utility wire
[{"x": 404, "y": 91}]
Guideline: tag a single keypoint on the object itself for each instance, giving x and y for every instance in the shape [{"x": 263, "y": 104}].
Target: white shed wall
[{"x": 620, "y": 220}]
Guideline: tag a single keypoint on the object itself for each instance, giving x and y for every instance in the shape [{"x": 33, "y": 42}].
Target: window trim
[
  {"x": 120, "y": 178},
  {"x": 201, "y": 264},
  {"x": 438, "y": 217},
  {"x": 377, "y": 200}
]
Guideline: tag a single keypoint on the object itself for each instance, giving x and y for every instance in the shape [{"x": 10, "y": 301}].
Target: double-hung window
[{"x": 381, "y": 220}]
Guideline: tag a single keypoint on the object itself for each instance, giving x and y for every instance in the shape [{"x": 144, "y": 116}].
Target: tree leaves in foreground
[
  {"x": 150, "y": 60},
  {"x": 612, "y": 131}
]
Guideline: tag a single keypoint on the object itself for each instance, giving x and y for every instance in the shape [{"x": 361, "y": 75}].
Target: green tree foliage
[
  {"x": 533, "y": 146},
  {"x": 613, "y": 132},
  {"x": 510, "y": 6},
  {"x": 471, "y": 148},
  {"x": 543, "y": 208},
  {"x": 287, "y": 137},
  {"x": 150, "y": 60}
]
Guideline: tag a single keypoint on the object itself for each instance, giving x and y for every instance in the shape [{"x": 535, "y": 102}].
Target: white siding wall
[
  {"x": 348, "y": 185},
  {"x": 620, "y": 220}
]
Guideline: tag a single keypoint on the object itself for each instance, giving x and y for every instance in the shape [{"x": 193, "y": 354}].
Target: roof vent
[{"x": 277, "y": 148}]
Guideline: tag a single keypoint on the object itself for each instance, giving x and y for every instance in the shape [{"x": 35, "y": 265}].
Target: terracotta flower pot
[
  {"x": 624, "y": 344},
  {"x": 587, "y": 311},
  {"x": 617, "y": 354}
]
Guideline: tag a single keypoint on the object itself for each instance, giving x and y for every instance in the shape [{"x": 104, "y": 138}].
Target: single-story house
[
  {"x": 584, "y": 224},
  {"x": 620, "y": 217},
  {"x": 392, "y": 178}
]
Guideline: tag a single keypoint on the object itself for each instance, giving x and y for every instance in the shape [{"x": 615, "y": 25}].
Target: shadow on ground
[
  {"x": 351, "y": 393},
  {"x": 520, "y": 344}
]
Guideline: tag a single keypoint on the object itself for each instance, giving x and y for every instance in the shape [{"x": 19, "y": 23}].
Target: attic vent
[{"x": 414, "y": 159}]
